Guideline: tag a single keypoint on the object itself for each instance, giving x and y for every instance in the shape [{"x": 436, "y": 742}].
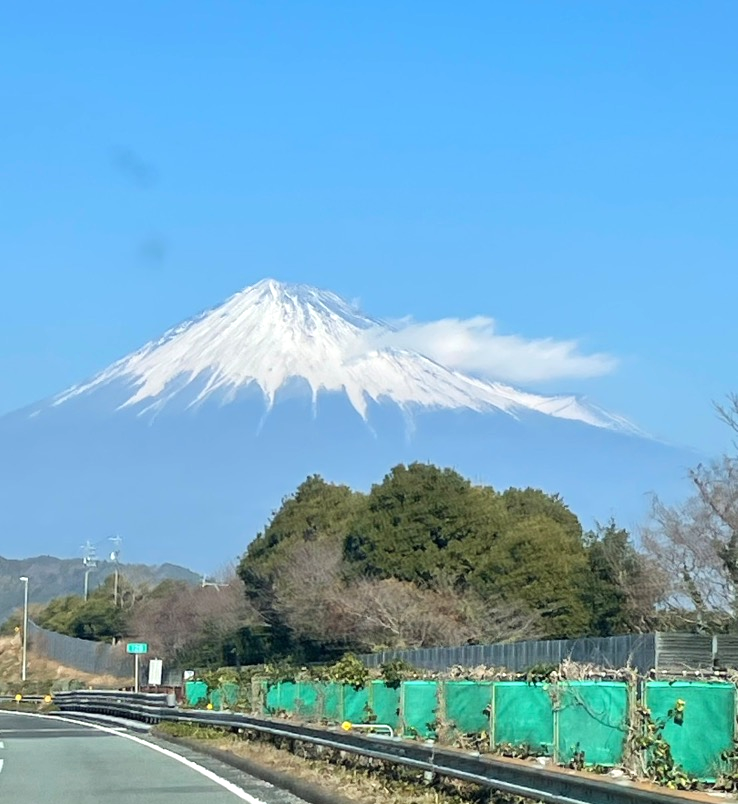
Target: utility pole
[
  {"x": 90, "y": 562},
  {"x": 24, "y": 579},
  {"x": 114, "y": 557}
]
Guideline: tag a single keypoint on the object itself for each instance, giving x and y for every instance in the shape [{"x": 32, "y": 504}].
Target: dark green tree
[
  {"x": 521, "y": 550},
  {"x": 318, "y": 510},
  {"x": 537, "y": 561},
  {"x": 425, "y": 524},
  {"x": 97, "y": 618},
  {"x": 524, "y": 504},
  {"x": 623, "y": 586},
  {"x": 414, "y": 524}
]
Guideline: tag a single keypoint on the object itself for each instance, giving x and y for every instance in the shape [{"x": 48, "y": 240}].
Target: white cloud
[{"x": 472, "y": 345}]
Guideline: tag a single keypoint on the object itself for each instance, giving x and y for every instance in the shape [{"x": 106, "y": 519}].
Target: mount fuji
[{"x": 186, "y": 446}]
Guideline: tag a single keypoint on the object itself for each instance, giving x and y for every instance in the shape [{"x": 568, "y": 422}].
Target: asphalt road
[{"x": 46, "y": 760}]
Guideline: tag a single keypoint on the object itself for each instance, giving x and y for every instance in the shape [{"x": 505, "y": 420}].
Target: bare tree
[
  {"x": 317, "y": 601},
  {"x": 166, "y": 620},
  {"x": 311, "y": 592},
  {"x": 697, "y": 542},
  {"x": 177, "y": 615}
]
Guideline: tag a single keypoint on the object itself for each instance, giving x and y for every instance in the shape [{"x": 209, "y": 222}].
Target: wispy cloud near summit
[
  {"x": 273, "y": 332},
  {"x": 473, "y": 345}
]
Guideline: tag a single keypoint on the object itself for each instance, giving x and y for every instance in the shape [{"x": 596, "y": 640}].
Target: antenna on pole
[
  {"x": 90, "y": 561},
  {"x": 115, "y": 558},
  {"x": 217, "y": 584}
]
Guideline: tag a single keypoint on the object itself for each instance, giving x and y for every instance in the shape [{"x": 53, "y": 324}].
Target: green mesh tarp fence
[
  {"x": 591, "y": 721},
  {"x": 355, "y": 703},
  {"x": 196, "y": 692},
  {"x": 466, "y": 705},
  {"x": 217, "y": 700},
  {"x": 307, "y": 704},
  {"x": 384, "y": 702},
  {"x": 587, "y": 719},
  {"x": 419, "y": 701},
  {"x": 330, "y": 702},
  {"x": 281, "y": 697},
  {"x": 334, "y": 702},
  {"x": 707, "y": 725},
  {"x": 270, "y": 697},
  {"x": 316, "y": 701},
  {"x": 522, "y": 715},
  {"x": 226, "y": 696}
]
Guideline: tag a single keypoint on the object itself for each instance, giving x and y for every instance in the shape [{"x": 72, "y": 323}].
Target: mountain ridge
[{"x": 51, "y": 577}]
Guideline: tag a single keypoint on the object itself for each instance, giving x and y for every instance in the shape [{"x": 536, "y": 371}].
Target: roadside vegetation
[
  {"x": 350, "y": 777},
  {"x": 426, "y": 558}
]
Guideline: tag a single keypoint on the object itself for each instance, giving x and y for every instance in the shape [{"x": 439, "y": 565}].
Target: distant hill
[{"x": 51, "y": 577}]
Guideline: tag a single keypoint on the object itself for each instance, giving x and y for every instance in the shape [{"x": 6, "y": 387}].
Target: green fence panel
[
  {"x": 330, "y": 702},
  {"x": 271, "y": 698},
  {"x": 707, "y": 726},
  {"x": 385, "y": 703},
  {"x": 592, "y": 720},
  {"x": 305, "y": 704},
  {"x": 196, "y": 692},
  {"x": 231, "y": 693},
  {"x": 225, "y": 697},
  {"x": 419, "y": 702},
  {"x": 355, "y": 704},
  {"x": 286, "y": 694},
  {"x": 522, "y": 715},
  {"x": 467, "y": 705}
]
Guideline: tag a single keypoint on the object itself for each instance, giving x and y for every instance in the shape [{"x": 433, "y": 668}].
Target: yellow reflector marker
[
  {"x": 18, "y": 697},
  {"x": 346, "y": 725},
  {"x": 47, "y": 698}
]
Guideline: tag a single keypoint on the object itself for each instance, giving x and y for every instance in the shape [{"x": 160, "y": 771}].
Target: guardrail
[
  {"x": 117, "y": 696},
  {"x": 551, "y": 785}
]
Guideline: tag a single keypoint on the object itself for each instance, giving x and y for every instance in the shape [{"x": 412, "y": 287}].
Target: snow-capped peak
[{"x": 273, "y": 332}]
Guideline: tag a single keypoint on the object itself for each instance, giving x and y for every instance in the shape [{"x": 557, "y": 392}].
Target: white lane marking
[
  {"x": 208, "y": 774},
  {"x": 45, "y": 731},
  {"x": 2, "y": 762},
  {"x": 2, "y": 745}
]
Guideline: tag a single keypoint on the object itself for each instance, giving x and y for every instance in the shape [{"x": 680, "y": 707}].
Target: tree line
[{"x": 426, "y": 558}]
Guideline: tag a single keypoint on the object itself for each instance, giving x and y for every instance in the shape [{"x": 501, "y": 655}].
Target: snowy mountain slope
[
  {"x": 171, "y": 447},
  {"x": 272, "y": 333}
]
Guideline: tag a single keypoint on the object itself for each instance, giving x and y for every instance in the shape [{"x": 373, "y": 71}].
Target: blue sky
[{"x": 566, "y": 169}]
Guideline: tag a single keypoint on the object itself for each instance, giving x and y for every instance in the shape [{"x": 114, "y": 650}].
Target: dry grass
[
  {"x": 43, "y": 672},
  {"x": 357, "y": 779},
  {"x": 364, "y": 784}
]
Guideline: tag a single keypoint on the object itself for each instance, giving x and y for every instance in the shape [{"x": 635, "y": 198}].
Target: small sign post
[
  {"x": 136, "y": 648},
  {"x": 155, "y": 672}
]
